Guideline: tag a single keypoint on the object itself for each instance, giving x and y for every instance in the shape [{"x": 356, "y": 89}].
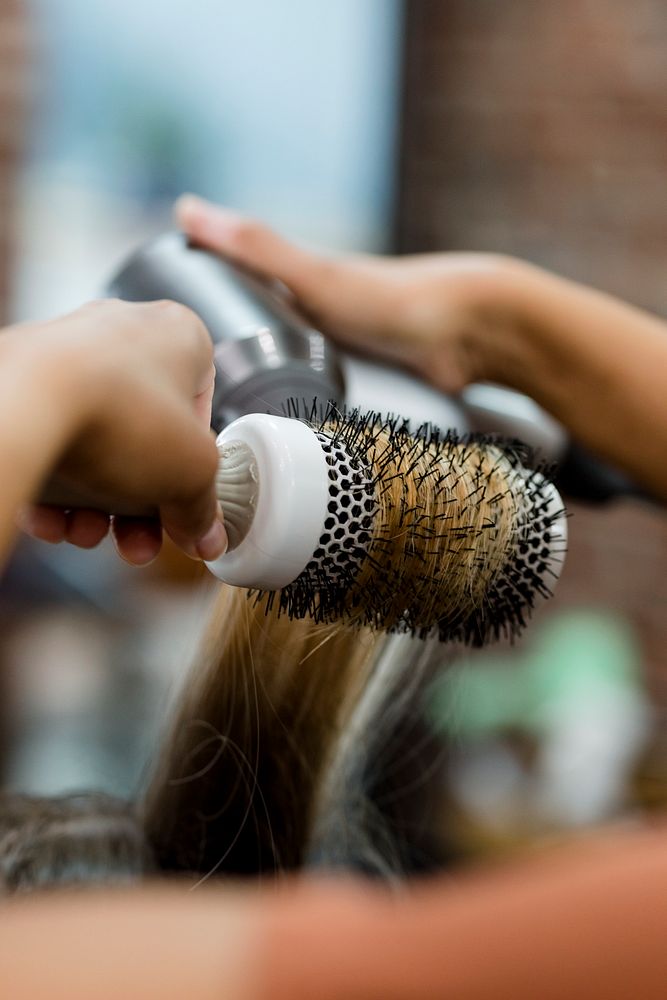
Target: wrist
[
  {"x": 38, "y": 384},
  {"x": 504, "y": 340},
  {"x": 38, "y": 422}
]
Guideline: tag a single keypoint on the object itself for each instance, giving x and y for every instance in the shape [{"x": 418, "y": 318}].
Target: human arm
[
  {"x": 582, "y": 921},
  {"x": 596, "y": 364},
  {"x": 154, "y": 943},
  {"x": 585, "y": 922},
  {"x": 111, "y": 401}
]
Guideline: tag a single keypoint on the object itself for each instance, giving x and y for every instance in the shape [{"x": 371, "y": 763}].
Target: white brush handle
[{"x": 289, "y": 487}]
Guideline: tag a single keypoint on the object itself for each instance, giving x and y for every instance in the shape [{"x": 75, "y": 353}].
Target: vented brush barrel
[
  {"x": 353, "y": 518},
  {"x": 265, "y": 352}
]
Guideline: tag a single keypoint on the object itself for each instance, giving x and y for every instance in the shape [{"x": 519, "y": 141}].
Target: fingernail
[
  {"x": 215, "y": 221},
  {"x": 25, "y": 519},
  {"x": 139, "y": 560},
  {"x": 214, "y": 542},
  {"x": 190, "y": 205}
]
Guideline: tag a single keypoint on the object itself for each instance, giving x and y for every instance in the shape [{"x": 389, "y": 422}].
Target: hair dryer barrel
[{"x": 265, "y": 352}]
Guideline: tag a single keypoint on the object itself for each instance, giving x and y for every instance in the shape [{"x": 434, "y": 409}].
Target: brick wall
[{"x": 539, "y": 128}]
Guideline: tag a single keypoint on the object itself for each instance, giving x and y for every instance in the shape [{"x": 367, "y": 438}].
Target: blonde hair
[
  {"x": 276, "y": 723},
  {"x": 439, "y": 547},
  {"x": 259, "y": 717},
  {"x": 300, "y": 737}
]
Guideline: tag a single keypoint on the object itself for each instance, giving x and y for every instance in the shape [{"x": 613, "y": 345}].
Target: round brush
[{"x": 355, "y": 517}]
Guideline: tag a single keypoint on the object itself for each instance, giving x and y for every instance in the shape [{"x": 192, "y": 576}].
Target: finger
[
  {"x": 250, "y": 243},
  {"x": 185, "y": 335},
  {"x": 187, "y": 463},
  {"x": 173, "y": 331},
  {"x": 180, "y": 473},
  {"x": 207, "y": 544},
  {"x": 203, "y": 400},
  {"x": 138, "y": 540},
  {"x": 349, "y": 297},
  {"x": 46, "y": 523},
  {"x": 86, "y": 528}
]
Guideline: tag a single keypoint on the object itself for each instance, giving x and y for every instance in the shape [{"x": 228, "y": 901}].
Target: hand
[
  {"x": 425, "y": 312},
  {"x": 594, "y": 363},
  {"x": 132, "y": 386}
]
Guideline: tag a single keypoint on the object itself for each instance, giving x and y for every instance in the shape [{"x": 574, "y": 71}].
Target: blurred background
[{"x": 528, "y": 128}]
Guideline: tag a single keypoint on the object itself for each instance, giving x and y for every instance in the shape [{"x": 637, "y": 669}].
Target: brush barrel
[{"x": 305, "y": 512}]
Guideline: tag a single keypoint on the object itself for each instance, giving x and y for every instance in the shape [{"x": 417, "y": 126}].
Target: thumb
[
  {"x": 197, "y": 527},
  {"x": 252, "y": 244},
  {"x": 353, "y": 299},
  {"x": 190, "y": 512}
]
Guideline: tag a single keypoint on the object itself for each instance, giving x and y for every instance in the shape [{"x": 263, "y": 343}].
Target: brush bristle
[{"x": 361, "y": 580}]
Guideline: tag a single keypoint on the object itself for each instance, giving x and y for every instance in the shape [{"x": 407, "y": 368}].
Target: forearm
[
  {"x": 157, "y": 943},
  {"x": 586, "y": 922},
  {"x": 598, "y": 365},
  {"x": 37, "y": 414}
]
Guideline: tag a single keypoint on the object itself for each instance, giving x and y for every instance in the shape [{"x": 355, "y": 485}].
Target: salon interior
[{"x": 388, "y": 127}]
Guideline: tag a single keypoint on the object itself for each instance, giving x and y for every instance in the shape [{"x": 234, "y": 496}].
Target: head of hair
[{"x": 73, "y": 840}]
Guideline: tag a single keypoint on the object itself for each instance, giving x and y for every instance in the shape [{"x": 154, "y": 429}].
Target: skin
[
  {"x": 111, "y": 403},
  {"x": 597, "y": 364},
  {"x": 160, "y": 943},
  {"x": 583, "y": 923}
]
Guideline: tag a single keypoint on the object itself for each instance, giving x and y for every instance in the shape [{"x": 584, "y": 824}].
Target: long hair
[
  {"x": 301, "y": 741},
  {"x": 243, "y": 763},
  {"x": 295, "y": 734}
]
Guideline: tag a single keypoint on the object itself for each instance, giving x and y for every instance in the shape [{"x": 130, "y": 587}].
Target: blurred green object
[{"x": 577, "y": 657}]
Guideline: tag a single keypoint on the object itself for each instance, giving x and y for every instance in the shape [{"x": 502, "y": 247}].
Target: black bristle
[{"x": 329, "y": 589}]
